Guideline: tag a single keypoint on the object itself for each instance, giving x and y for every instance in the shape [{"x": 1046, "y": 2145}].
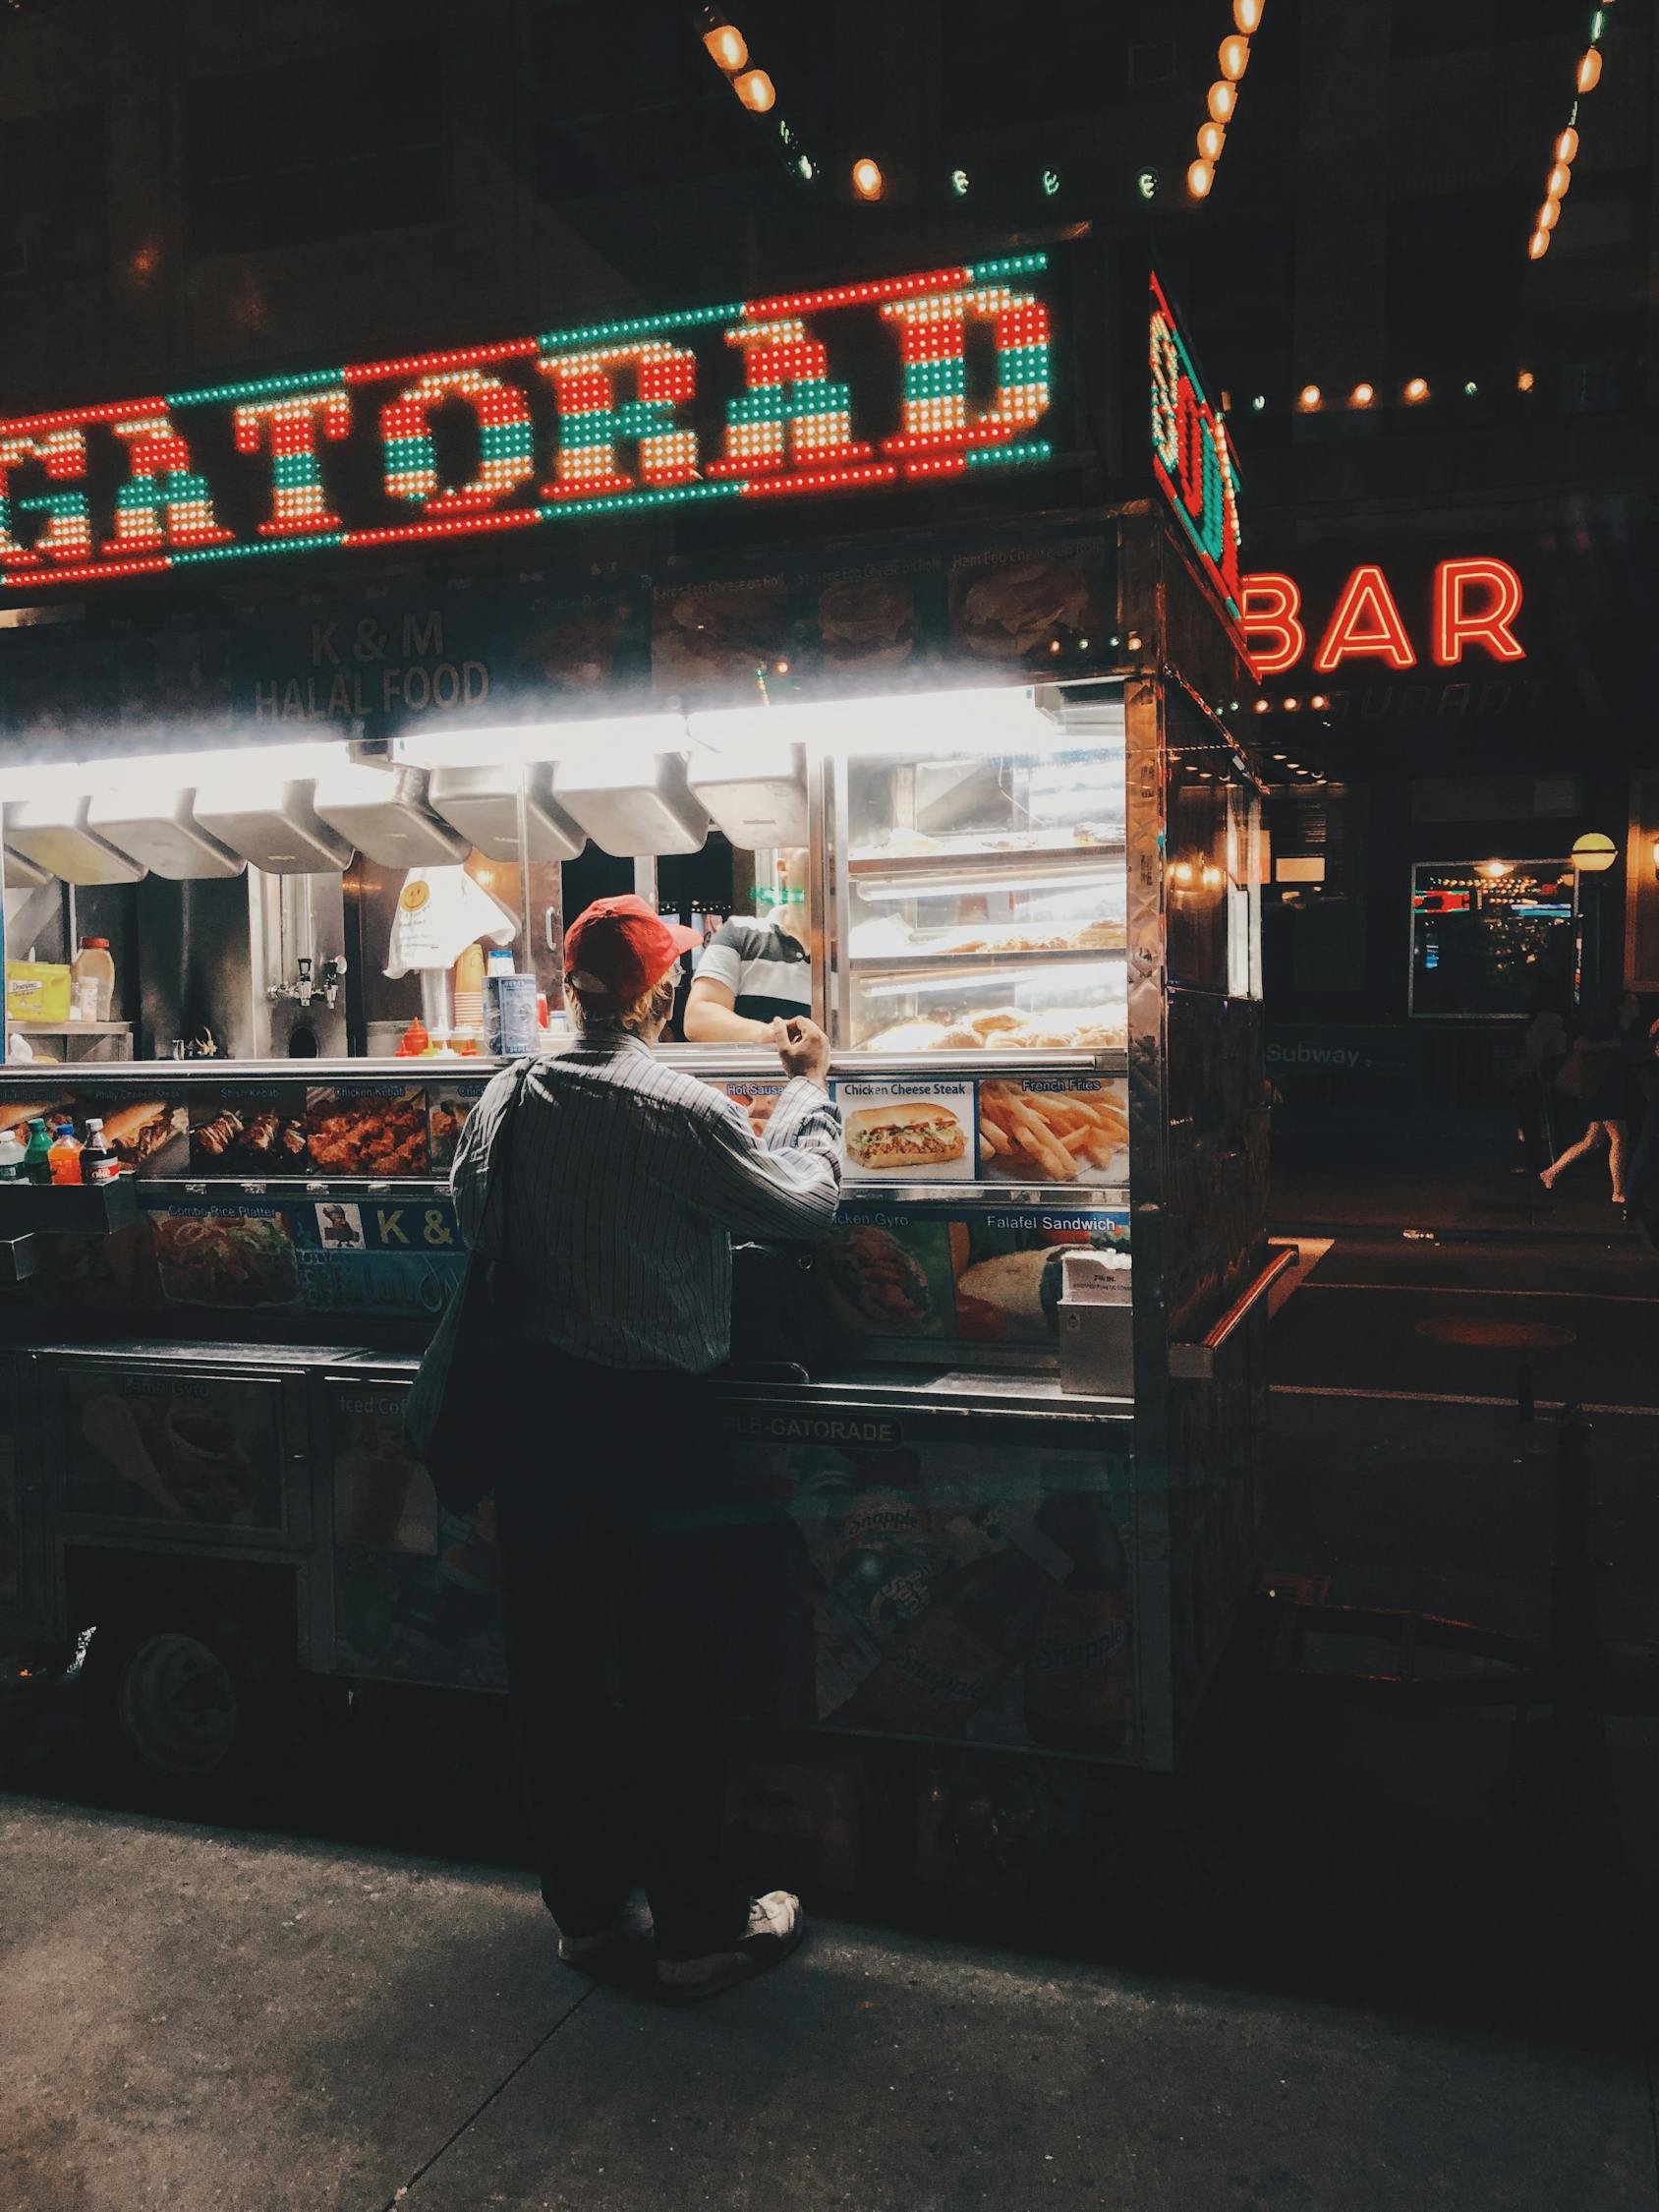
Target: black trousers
[{"x": 622, "y": 1571}]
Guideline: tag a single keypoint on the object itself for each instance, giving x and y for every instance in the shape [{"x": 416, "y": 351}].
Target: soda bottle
[
  {"x": 63, "y": 1158},
  {"x": 99, "y": 1164},
  {"x": 10, "y": 1156},
  {"x": 1077, "y": 1677},
  {"x": 37, "y": 1154}
]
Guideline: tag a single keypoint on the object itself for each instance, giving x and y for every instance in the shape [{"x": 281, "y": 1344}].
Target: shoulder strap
[{"x": 500, "y": 1149}]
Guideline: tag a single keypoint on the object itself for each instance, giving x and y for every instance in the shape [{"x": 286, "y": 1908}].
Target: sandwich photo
[
  {"x": 868, "y": 622},
  {"x": 18, "y": 1113},
  {"x": 904, "y": 1133},
  {"x": 136, "y": 1134}
]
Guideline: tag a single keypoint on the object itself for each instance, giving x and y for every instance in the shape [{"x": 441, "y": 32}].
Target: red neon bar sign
[
  {"x": 531, "y": 432},
  {"x": 1472, "y": 603}
]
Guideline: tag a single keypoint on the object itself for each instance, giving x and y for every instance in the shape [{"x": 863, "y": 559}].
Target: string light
[
  {"x": 1363, "y": 396},
  {"x": 1416, "y": 390},
  {"x": 756, "y": 90},
  {"x": 1565, "y": 151},
  {"x": 727, "y": 47},
  {"x": 867, "y": 178},
  {"x": 1232, "y": 58},
  {"x": 1308, "y": 398}
]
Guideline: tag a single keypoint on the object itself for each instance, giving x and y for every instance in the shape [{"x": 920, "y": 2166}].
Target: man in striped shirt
[{"x": 622, "y": 1184}]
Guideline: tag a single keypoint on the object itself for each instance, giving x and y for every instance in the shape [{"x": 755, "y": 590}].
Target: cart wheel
[
  {"x": 176, "y": 1693},
  {"x": 1181, "y": 1864}
]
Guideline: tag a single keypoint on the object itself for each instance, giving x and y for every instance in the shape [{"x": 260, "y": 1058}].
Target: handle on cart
[{"x": 1196, "y": 1362}]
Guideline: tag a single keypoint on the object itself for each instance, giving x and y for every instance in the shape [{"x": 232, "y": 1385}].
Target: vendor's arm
[{"x": 712, "y": 1016}]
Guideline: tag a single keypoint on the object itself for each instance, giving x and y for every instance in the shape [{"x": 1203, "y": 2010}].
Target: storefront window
[{"x": 1490, "y": 938}]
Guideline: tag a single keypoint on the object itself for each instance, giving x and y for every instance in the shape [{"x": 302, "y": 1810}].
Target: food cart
[{"x": 990, "y": 687}]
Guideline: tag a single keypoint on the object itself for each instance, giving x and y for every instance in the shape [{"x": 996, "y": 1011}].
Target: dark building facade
[{"x": 1446, "y": 447}]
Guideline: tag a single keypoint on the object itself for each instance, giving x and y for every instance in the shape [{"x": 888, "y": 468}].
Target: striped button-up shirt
[{"x": 626, "y": 1181}]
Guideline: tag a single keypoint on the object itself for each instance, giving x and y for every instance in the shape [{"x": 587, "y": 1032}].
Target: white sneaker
[
  {"x": 776, "y": 1927},
  {"x": 590, "y": 1951}
]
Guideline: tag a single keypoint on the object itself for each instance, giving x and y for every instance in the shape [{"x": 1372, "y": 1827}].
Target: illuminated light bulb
[
  {"x": 959, "y": 183},
  {"x": 1559, "y": 180},
  {"x": 1548, "y": 216},
  {"x": 1180, "y": 871},
  {"x": 727, "y": 47},
  {"x": 1525, "y": 381},
  {"x": 805, "y": 169},
  {"x": 1538, "y": 245},
  {"x": 1566, "y": 146},
  {"x": 1265, "y": 707},
  {"x": 1258, "y": 400},
  {"x": 1200, "y": 176},
  {"x": 1417, "y": 390},
  {"x": 1590, "y": 69},
  {"x": 1212, "y": 137},
  {"x": 1471, "y": 389},
  {"x": 1222, "y": 99},
  {"x": 1308, "y": 398},
  {"x": 1363, "y": 396},
  {"x": 1247, "y": 14},
  {"x": 1319, "y": 702},
  {"x": 867, "y": 179},
  {"x": 1289, "y": 705},
  {"x": 756, "y": 90},
  {"x": 1232, "y": 57}
]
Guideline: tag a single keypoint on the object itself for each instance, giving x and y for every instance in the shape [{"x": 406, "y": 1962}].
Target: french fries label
[{"x": 1055, "y": 1130}]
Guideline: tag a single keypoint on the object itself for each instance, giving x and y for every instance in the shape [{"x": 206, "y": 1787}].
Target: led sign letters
[
  {"x": 1473, "y": 602},
  {"x": 574, "y": 424},
  {"x": 1190, "y": 455}
]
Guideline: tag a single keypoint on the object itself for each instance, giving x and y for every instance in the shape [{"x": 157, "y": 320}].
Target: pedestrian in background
[
  {"x": 1597, "y": 1073},
  {"x": 1543, "y": 1052}
]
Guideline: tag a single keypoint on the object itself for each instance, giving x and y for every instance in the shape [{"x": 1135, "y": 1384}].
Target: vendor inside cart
[{"x": 755, "y": 976}]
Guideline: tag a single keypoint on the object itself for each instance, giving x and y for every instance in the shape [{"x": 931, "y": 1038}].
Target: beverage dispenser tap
[{"x": 304, "y": 990}]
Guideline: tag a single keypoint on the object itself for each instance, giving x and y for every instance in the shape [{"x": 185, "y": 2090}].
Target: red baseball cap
[{"x": 617, "y": 950}]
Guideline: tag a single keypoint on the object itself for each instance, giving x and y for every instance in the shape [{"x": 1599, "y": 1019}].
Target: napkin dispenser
[{"x": 1096, "y": 1325}]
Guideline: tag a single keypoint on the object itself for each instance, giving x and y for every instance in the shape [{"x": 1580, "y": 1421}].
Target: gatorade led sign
[
  {"x": 751, "y": 399},
  {"x": 1472, "y": 605},
  {"x": 1191, "y": 458}
]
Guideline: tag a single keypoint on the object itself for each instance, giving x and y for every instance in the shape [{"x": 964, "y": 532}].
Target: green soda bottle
[{"x": 36, "y": 1157}]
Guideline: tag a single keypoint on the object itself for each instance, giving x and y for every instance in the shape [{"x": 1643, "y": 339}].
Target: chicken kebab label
[
  {"x": 250, "y": 1132},
  {"x": 370, "y": 1130}
]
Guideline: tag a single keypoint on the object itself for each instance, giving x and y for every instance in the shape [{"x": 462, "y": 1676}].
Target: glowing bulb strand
[
  {"x": 1565, "y": 151},
  {"x": 1233, "y": 59}
]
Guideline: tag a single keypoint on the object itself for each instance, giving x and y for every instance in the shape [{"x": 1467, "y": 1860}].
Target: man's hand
[{"x": 805, "y": 1051}]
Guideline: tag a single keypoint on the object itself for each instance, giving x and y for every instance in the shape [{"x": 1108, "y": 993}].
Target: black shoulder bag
[{"x": 460, "y": 1414}]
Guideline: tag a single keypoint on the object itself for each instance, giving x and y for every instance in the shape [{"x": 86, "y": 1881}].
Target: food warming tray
[
  {"x": 633, "y": 806},
  {"x": 756, "y": 797},
  {"x": 482, "y": 803},
  {"x": 55, "y": 835},
  {"x": 383, "y": 812},
  {"x": 271, "y": 822},
  {"x": 163, "y": 833}
]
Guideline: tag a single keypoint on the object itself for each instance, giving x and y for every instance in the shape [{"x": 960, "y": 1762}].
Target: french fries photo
[{"x": 1050, "y": 1136}]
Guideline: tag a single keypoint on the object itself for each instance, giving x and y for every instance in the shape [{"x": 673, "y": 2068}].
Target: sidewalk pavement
[
  {"x": 1482, "y": 1202},
  {"x": 216, "y": 2022}
]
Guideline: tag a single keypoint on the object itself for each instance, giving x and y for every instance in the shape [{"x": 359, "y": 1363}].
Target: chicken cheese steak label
[{"x": 917, "y": 1132}]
